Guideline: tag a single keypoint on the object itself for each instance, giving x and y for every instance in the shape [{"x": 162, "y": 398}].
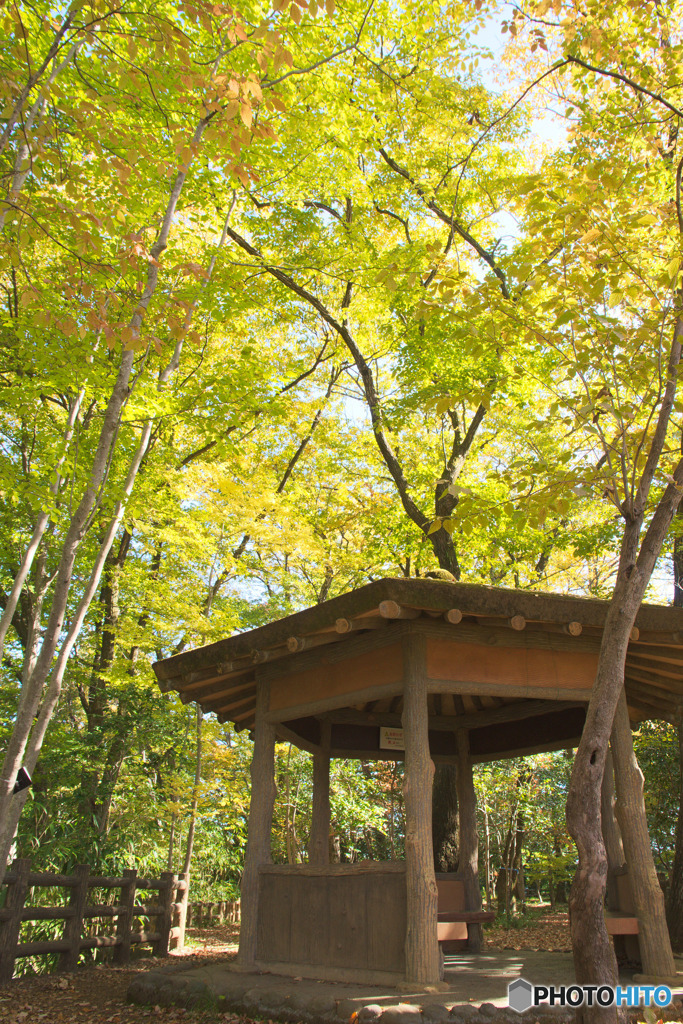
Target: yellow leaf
[
  {"x": 295, "y": 14},
  {"x": 246, "y": 114},
  {"x": 673, "y": 267},
  {"x": 647, "y": 219},
  {"x": 590, "y": 236}
]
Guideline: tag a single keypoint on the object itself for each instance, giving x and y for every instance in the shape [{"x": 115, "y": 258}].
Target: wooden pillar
[
  {"x": 422, "y": 947},
  {"x": 625, "y": 946},
  {"x": 319, "y": 843},
  {"x": 468, "y": 864},
  {"x": 260, "y": 824},
  {"x": 611, "y": 834},
  {"x": 648, "y": 899}
]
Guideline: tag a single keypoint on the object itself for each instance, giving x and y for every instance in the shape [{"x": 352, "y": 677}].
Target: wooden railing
[
  {"x": 205, "y": 914},
  {"x": 171, "y": 903}
]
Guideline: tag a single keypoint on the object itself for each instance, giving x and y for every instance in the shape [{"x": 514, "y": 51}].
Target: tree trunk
[
  {"x": 518, "y": 887},
  {"x": 189, "y": 842},
  {"x": 422, "y": 947},
  {"x": 594, "y": 959},
  {"x": 445, "y": 817},
  {"x": 43, "y": 674},
  {"x": 674, "y": 908},
  {"x": 648, "y": 898},
  {"x": 487, "y": 865},
  {"x": 674, "y": 905}
]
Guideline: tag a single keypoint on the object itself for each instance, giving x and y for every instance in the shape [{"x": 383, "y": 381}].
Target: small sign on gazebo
[{"x": 391, "y": 739}]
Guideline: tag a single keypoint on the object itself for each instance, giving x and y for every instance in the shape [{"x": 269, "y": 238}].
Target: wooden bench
[
  {"x": 452, "y": 917},
  {"x": 620, "y": 922},
  {"x": 620, "y": 917}
]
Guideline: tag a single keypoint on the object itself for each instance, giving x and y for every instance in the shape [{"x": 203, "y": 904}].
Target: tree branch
[
  {"x": 449, "y": 221},
  {"x": 371, "y": 397}
]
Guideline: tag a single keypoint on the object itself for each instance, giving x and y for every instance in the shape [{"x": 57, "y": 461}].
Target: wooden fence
[
  {"x": 206, "y": 914},
  {"x": 171, "y": 903}
]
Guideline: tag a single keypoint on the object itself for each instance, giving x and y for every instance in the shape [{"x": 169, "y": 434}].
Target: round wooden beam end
[
  {"x": 453, "y": 615},
  {"x": 518, "y": 622},
  {"x": 390, "y": 610},
  {"x": 635, "y": 633},
  {"x": 343, "y": 626},
  {"x": 574, "y": 628}
]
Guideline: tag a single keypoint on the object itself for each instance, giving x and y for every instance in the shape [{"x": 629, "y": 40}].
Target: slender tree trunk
[
  {"x": 487, "y": 863},
  {"x": 189, "y": 842},
  {"x": 33, "y": 689},
  {"x": 518, "y": 863},
  {"x": 38, "y": 529},
  {"x": 26, "y": 742},
  {"x": 170, "y": 860}
]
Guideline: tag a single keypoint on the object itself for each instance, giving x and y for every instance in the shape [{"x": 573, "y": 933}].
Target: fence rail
[
  {"x": 206, "y": 913},
  {"x": 170, "y": 906}
]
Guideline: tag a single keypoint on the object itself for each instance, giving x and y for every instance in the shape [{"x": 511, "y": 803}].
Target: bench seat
[
  {"x": 620, "y": 923},
  {"x": 452, "y": 917},
  {"x": 468, "y": 916}
]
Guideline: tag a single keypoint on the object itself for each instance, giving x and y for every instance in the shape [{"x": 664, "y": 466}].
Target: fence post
[
  {"x": 124, "y": 921},
  {"x": 73, "y": 926},
  {"x": 179, "y": 942},
  {"x": 11, "y": 926},
  {"x": 167, "y": 892}
]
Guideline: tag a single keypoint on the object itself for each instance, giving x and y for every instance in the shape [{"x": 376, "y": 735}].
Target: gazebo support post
[
  {"x": 263, "y": 794},
  {"x": 614, "y": 849},
  {"x": 610, "y": 833},
  {"x": 422, "y": 947},
  {"x": 468, "y": 864},
  {"x": 648, "y": 899},
  {"x": 319, "y": 845}
]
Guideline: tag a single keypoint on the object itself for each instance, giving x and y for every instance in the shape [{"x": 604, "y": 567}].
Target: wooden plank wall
[{"x": 326, "y": 917}]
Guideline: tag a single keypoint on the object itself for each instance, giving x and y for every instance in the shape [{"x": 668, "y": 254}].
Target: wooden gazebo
[{"x": 413, "y": 669}]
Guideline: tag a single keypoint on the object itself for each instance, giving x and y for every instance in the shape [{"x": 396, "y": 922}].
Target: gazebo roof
[{"x": 514, "y": 667}]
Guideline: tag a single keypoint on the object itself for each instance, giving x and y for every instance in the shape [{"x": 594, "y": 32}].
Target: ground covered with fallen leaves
[
  {"x": 540, "y": 928},
  {"x": 97, "y": 994}
]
